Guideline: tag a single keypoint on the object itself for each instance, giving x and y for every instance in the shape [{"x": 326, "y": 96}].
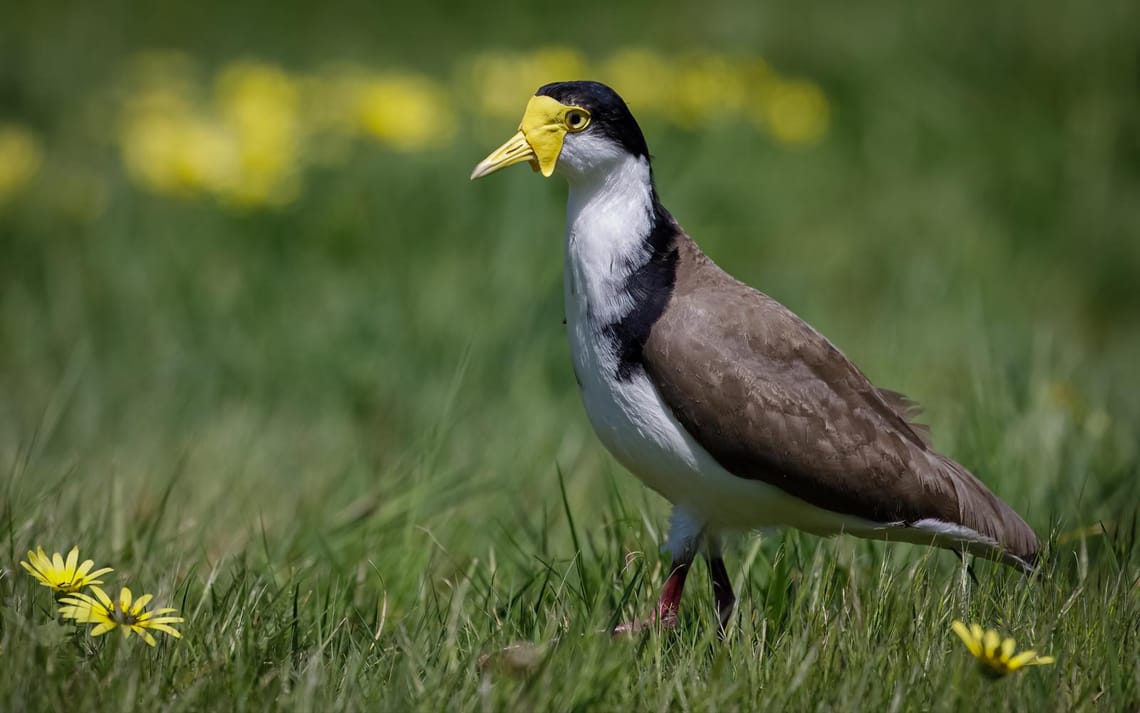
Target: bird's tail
[{"x": 983, "y": 524}]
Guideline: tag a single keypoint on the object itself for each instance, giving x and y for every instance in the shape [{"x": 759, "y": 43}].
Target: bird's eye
[{"x": 577, "y": 119}]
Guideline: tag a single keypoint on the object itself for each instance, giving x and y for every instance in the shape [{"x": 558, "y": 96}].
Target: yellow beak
[
  {"x": 516, "y": 150},
  {"x": 539, "y": 140}
]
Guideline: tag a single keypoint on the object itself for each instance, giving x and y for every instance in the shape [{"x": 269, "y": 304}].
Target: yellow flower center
[{"x": 121, "y": 616}]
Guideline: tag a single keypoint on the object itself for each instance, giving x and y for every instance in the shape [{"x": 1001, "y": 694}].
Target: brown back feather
[{"x": 771, "y": 399}]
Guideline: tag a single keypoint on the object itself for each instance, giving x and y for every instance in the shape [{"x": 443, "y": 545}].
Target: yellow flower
[
  {"x": 706, "y": 88},
  {"x": 259, "y": 107},
  {"x": 65, "y": 577},
  {"x": 500, "y": 78},
  {"x": 994, "y": 653},
  {"x": 556, "y": 63},
  {"x": 797, "y": 112},
  {"x": 643, "y": 77},
  {"x": 126, "y": 613},
  {"x": 20, "y": 158},
  {"x": 243, "y": 148},
  {"x": 178, "y": 153},
  {"x": 406, "y": 111}
]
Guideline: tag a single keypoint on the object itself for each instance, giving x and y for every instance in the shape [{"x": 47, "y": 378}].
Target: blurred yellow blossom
[
  {"x": 169, "y": 144},
  {"x": 555, "y": 64},
  {"x": 244, "y": 149},
  {"x": 708, "y": 87},
  {"x": 407, "y": 111},
  {"x": 170, "y": 149},
  {"x": 248, "y": 142},
  {"x": 258, "y": 106},
  {"x": 797, "y": 112},
  {"x": 20, "y": 158},
  {"x": 501, "y": 81},
  {"x": 641, "y": 76}
]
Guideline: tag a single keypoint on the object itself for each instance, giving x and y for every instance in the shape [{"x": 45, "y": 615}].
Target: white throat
[{"x": 608, "y": 216}]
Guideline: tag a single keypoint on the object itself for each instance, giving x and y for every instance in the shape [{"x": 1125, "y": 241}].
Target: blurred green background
[
  {"x": 251, "y": 223},
  {"x": 248, "y": 295},
  {"x": 961, "y": 216}
]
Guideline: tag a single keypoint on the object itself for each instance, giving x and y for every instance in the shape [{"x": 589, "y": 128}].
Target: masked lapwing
[{"x": 714, "y": 394}]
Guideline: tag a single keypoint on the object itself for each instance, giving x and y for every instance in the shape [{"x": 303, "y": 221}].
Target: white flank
[{"x": 952, "y": 532}]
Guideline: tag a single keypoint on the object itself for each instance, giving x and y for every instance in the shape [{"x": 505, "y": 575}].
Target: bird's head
[{"x": 576, "y": 128}]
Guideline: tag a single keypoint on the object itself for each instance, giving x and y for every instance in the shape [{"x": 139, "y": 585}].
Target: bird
[{"x": 714, "y": 394}]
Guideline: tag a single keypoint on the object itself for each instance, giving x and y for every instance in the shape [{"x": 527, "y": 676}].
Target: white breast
[{"x": 605, "y": 222}]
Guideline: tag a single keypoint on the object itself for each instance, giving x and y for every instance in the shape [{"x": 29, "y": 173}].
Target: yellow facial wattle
[{"x": 541, "y": 133}]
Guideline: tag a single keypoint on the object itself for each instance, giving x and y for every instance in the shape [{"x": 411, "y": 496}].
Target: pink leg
[
  {"x": 667, "y": 607},
  {"x": 670, "y": 602}
]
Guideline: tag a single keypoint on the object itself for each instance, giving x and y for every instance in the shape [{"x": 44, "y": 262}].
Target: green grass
[{"x": 332, "y": 434}]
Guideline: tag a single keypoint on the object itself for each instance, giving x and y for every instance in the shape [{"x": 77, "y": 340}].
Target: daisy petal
[
  {"x": 57, "y": 561},
  {"x": 167, "y": 629},
  {"x": 71, "y": 599},
  {"x": 103, "y": 598},
  {"x": 102, "y": 629},
  {"x": 72, "y": 561},
  {"x": 1021, "y": 659},
  {"x": 977, "y": 633},
  {"x": 39, "y": 559},
  {"x": 967, "y": 637},
  {"x": 81, "y": 615},
  {"x": 75, "y": 608},
  {"x": 141, "y": 603},
  {"x": 1007, "y": 648},
  {"x": 990, "y": 643},
  {"x": 99, "y": 573},
  {"x": 36, "y": 573}
]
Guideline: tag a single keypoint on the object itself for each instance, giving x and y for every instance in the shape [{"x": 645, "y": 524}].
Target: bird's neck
[
  {"x": 611, "y": 216},
  {"x": 620, "y": 258}
]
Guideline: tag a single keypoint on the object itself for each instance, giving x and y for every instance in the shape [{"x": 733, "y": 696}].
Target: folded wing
[{"x": 773, "y": 400}]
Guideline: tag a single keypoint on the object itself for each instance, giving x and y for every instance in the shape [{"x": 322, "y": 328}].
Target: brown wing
[{"x": 771, "y": 399}]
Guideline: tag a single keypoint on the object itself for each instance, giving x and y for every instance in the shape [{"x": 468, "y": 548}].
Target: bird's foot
[
  {"x": 666, "y": 614},
  {"x": 665, "y": 618}
]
